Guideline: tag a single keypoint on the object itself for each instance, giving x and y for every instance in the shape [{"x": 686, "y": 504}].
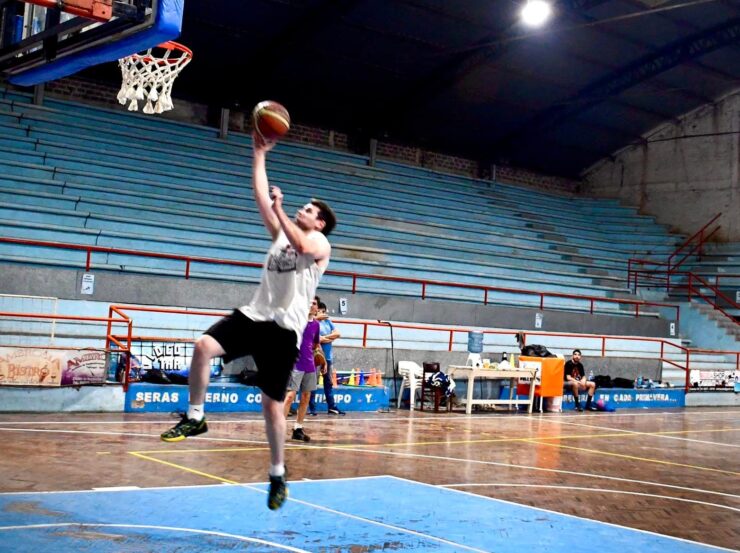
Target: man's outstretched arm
[{"x": 261, "y": 185}]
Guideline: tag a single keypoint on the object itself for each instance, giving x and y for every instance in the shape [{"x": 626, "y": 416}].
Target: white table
[{"x": 512, "y": 375}]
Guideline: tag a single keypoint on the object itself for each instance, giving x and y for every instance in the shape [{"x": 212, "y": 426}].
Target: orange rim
[{"x": 169, "y": 45}]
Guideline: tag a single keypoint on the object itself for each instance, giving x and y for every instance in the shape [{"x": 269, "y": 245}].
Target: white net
[{"x": 148, "y": 77}]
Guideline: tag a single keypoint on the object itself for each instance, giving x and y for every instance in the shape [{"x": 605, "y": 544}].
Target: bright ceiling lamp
[{"x": 536, "y": 12}]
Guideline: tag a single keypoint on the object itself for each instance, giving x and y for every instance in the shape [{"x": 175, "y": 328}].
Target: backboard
[{"x": 40, "y": 44}]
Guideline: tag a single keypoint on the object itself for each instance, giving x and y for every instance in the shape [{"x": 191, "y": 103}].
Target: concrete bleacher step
[
  {"x": 77, "y": 109},
  {"x": 65, "y": 160},
  {"x": 85, "y": 201},
  {"x": 36, "y": 172},
  {"x": 603, "y": 219},
  {"x": 117, "y": 262},
  {"x": 43, "y": 155}
]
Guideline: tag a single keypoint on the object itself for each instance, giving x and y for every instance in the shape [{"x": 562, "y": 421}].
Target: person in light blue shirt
[{"x": 328, "y": 333}]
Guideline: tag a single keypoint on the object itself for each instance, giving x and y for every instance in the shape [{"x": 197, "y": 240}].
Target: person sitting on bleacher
[{"x": 575, "y": 380}]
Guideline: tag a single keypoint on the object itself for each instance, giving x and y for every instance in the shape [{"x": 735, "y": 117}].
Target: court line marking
[
  {"x": 580, "y": 518},
  {"x": 381, "y": 524},
  {"x": 455, "y": 442},
  {"x": 602, "y": 490},
  {"x": 156, "y": 488},
  {"x": 634, "y": 457},
  {"x": 616, "y": 434},
  {"x": 315, "y": 506},
  {"x": 186, "y": 469},
  {"x": 84, "y": 525},
  {"x": 415, "y": 417},
  {"x": 447, "y": 442},
  {"x": 126, "y": 434},
  {"x": 385, "y": 525},
  {"x": 541, "y": 469},
  {"x": 662, "y": 435},
  {"x": 475, "y": 461}
]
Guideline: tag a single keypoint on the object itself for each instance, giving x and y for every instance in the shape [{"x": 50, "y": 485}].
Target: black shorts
[{"x": 273, "y": 348}]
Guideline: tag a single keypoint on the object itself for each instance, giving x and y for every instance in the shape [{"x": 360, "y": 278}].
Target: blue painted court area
[{"x": 363, "y": 514}]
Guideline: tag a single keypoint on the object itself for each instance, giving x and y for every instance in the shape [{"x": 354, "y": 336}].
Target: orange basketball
[
  {"x": 271, "y": 120},
  {"x": 319, "y": 360}
]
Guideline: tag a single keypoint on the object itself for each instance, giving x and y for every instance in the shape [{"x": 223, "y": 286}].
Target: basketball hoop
[{"x": 149, "y": 76}]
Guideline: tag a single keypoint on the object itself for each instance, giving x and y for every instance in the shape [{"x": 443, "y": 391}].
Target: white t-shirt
[{"x": 288, "y": 284}]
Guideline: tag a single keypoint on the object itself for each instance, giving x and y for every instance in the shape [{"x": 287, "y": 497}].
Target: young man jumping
[{"x": 270, "y": 326}]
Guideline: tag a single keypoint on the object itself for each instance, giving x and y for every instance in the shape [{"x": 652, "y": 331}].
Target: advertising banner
[
  {"x": 625, "y": 398},
  {"x": 50, "y": 367},
  {"x": 143, "y": 397},
  {"x": 83, "y": 367},
  {"x": 713, "y": 378},
  {"x": 31, "y": 367}
]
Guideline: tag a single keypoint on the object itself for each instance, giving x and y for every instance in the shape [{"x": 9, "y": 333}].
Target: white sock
[
  {"x": 196, "y": 412},
  {"x": 296, "y": 426},
  {"x": 277, "y": 470}
]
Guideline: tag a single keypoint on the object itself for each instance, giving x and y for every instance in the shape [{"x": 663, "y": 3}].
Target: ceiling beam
[
  {"x": 640, "y": 70},
  {"x": 572, "y": 11},
  {"x": 455, "y": 68},
  {"x": 680, "y": 23}
]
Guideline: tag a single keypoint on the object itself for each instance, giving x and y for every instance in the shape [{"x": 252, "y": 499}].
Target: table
[{"x": 512, "y": 375}]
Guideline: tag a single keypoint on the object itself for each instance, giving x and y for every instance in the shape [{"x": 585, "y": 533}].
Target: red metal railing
[
  {"x": 711, "y": 300},
  {"x": 450, "y": 336},
  {"x": 664, "y": 271},
  {"x": 672, "y": 264},
  {"x": 423, "y": 283},
  {"x": 703, "y": 236},
  {"x": 110, "y": 320}
]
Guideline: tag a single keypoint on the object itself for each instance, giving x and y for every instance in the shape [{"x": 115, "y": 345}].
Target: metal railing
[
  {"x": 449, "y": 336},
  {"x": 666, "y": 273},
  {"x": 638, "y": 305},
  {"x": 110, "y": 320},
  {"x": 667, "y": 268}
]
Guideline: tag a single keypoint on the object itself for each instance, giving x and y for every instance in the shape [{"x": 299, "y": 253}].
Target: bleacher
[{"x": 79, "y": 174}]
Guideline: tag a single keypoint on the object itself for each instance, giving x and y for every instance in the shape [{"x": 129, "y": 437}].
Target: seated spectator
[{"x": 575, "y": 380}]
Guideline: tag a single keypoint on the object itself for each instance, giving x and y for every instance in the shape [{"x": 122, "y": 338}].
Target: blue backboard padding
[
  {"x": 376, "y": 513},
  {"x": 167, "y": 26}
]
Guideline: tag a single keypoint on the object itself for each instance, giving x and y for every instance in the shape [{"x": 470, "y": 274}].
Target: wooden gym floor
[{"x": 673, "y": 472}]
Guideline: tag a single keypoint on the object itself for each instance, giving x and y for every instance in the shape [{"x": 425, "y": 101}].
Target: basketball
[
  {"x": 271, "y": 120},
  {"x": 319, "y": 360}
]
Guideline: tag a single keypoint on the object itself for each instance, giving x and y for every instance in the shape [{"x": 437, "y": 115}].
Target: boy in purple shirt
[{"x": 304, "y": 376}]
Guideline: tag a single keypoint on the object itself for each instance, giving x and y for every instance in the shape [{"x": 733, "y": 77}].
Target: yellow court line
[
  {"x": 634, "y": 458},
  {"x": 186, "y": 469},
  {"x": 619, "y": 434},
  {"x": 228, "y": 449}
]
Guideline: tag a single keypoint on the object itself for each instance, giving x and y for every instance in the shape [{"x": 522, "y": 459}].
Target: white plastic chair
[{"x": 412, "y": 374}]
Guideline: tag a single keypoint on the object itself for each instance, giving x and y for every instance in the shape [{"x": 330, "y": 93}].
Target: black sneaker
[
  {"x": 278, "y": 492},
  {"x": 579, "y": 408},
  {"x": 336, "y": 411},
  {"x": 299, "y": 435},
  {"x": 186, "y": 427}
]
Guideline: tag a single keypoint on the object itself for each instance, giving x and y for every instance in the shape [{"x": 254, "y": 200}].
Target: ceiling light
[{"x": 536, "y": 12}]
